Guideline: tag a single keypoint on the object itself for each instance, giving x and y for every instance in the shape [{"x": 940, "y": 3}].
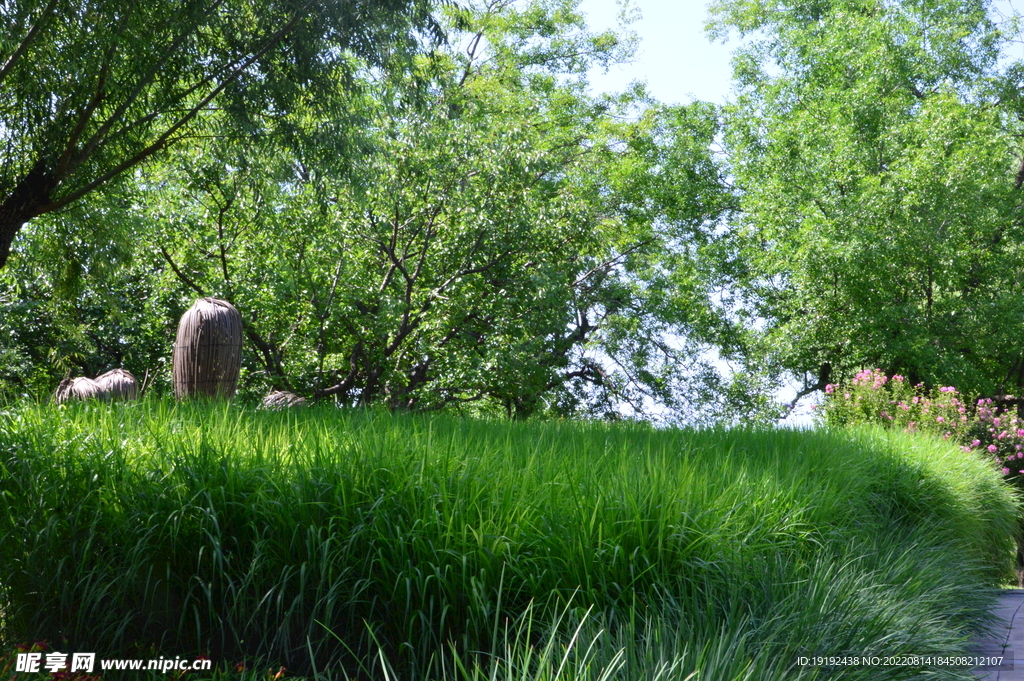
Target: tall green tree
[
  {"x": 875, "y": 148},
  {"x": 92, "y": 88},
  {"x": 505, "y": 246},
  {"x": 514, "y": 246}
]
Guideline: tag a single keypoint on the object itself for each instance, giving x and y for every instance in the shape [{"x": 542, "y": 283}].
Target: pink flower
[
  {"x": 1006, "y": 471},
  {"x": 830, "y": 388},
  {"x": 897, "y": 377},
  {"x": 846, "y": 395},
  {"x": 975, "y": 443},
  {"x": 992, "y": 448},
  {"x": 939, "y": 419}
]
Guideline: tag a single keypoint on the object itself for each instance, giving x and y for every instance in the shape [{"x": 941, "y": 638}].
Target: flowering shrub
[
  {"x": 999, "y": 434},
  {"x": 872, "y": 397},
  {"x": 975, "y": 424}
]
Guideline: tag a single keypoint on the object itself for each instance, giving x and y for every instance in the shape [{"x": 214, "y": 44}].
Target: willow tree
[{"x": 91, "y": 88}]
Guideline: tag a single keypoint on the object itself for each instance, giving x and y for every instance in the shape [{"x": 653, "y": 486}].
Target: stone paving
[{"x": 1007, "y": 639}]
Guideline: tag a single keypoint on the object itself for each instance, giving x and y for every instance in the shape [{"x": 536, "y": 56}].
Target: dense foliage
[
  {"x": 469, "y": 228},
  {"x": 452, "y": 548},
  {"x": 875, "y": 147},
  {"x": 92, "y": 88},
  {"x": 476, "y": 231}
]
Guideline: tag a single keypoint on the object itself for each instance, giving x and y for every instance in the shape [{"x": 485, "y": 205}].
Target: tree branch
[
  {"x": 824, "y": 377},
  {"x": 23, "y": 46},
  {"x": 181, "y": 275},
  {"x": 190, "y": 114}
]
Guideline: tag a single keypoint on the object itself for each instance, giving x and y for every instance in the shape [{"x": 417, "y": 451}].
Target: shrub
[{"x": 977, "y": 424}]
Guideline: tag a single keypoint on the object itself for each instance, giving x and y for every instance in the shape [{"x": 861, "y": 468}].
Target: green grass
[{"x": 366, "y": 545}]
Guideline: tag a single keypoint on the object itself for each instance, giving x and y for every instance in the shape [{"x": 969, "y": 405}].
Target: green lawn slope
[{"x": 367, "y": 545}]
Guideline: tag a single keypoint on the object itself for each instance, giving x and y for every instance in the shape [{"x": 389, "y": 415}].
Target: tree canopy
[
  {"x": 875, "y": 150},
  {"x": 466, "y": 226},
  {"x": 515, "y": 245},
  {"x": 91, "y": 88}
]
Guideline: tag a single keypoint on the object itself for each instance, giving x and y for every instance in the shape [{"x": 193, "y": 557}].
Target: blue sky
[{"x": 675, "y": 57}]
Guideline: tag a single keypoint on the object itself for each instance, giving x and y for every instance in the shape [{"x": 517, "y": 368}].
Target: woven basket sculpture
[
  {"x": 208, "y": 350},
  {"x": 119, "y": 384},
  {"x": 80, "y": 388},
  {"x": 281, "y": 399}
]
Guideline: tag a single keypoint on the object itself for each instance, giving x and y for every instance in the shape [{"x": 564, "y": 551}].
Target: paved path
[{"x": 1007, "y": 639}]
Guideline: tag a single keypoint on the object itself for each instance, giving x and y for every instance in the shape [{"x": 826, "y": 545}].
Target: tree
[
  {"x": 92, "y": 88},
  {"x": 876, "y": 150},
  {"x": 516, "y": 246},
  {"x": 496, "y": 248}
]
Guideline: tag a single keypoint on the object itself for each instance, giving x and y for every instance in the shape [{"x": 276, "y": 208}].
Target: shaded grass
[{"x": 363, "y": 544}]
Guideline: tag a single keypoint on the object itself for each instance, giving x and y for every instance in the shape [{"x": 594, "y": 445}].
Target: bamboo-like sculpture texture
[
  {"x": 119, "y": 384},
  {"x": 80, "y": 388},
  {"x": 281, "y": 399},
  {"x": 208, "y": 350}
]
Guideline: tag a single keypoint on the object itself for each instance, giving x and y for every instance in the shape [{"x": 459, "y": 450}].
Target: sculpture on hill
[
  {"x": 119, "y": 384},
  {"x": 208, "y": 350},
  {"x": 281, "y": 399},
  {"x": 80, "y": 388}
]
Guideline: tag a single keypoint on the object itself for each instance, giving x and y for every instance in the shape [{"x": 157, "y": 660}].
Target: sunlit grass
[{"x": 368, "y": 545}]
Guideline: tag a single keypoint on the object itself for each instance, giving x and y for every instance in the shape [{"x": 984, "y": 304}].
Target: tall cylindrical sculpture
[{"x": 208, "y": 350}]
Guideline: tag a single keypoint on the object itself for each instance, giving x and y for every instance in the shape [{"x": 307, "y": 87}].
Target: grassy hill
[{"x": 370, "y": 545}]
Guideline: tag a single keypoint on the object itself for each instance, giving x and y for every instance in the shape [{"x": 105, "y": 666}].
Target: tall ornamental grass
[{"x": 368, "y": 545}]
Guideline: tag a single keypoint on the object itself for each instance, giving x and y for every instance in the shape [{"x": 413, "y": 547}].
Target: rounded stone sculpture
[{"x": 208, "y": 350}]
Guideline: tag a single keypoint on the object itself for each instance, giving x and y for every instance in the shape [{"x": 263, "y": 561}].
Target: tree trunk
[
  {"x": 9, "y": 226},
  {"x": 31, "y": 197}
]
